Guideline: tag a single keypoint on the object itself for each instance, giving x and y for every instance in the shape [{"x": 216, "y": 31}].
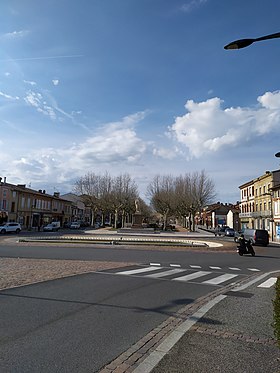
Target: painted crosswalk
[
  {"x": 216, "y": 277},
  {"x": 180, "y": 275},
  {"x": 268, "y": 283}
]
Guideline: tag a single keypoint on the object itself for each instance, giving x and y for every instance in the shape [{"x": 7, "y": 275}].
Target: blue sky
[{"x": 138, "y": 86}]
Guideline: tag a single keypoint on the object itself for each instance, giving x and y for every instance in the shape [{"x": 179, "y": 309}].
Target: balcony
[
  {"x": 262, "y": 214},
  {"x": 246, "y": 214},
  {"x": 256, "y": 214}
]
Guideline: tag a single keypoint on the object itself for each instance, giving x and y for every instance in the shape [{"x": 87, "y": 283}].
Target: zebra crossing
[
  {"x": 180, "y": 275},
  {"x": 194, "y": 274}
]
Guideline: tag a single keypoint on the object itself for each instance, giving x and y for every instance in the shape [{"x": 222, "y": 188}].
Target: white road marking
[
  {"x": 268, "y": 283},
  {"x": 219, "y": 279},
  {"x": 214, "y": 267},
  {"x": 175, "y": 265},
  {"x": 195, "y": 266},
  {"x": 253, "y": 269},
  {"x": 165, "y": 273},
  {"x": 139, "y": 270},
  {"x": 155, "y": 264},
  {"x": 234, "y": 269},
  {"x": 192, "y": 276}
]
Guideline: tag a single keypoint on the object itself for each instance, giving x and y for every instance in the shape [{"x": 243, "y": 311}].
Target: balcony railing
[
  {"x": 263, "y": 214},
  {"x": 256, "y": 214},
  {"x": 246, "y": 215}
]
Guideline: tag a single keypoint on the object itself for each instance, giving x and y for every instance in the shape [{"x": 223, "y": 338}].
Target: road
[{"x": 81, "y": 323}]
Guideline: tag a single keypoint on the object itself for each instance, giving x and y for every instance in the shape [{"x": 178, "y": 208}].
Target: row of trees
[
  {"x": 178, "y": 197},
  {"x": 182, "y": 196}
]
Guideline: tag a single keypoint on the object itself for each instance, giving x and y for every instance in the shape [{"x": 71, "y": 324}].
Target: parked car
[
  {"x": 10, "y": 227},
  {"x": 220, "y": 231},
  {"x": 75, "y": 225},
  {"x": 52, "y": 227},
  {"x": 230, "y": 232},
  {"x": 257, "y": 236}
]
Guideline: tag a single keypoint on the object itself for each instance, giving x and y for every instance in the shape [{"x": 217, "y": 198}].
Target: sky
[{"x": 142, "y": 87}]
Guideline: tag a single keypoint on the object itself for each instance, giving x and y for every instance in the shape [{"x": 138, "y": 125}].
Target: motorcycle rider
[
  {"x": 242, "y": 243},
  {"x": 245, "y": 247}
]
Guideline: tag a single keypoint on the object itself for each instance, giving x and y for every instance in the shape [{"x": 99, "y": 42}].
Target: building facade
[
  {"x": 31, "y": 208},
  {"x": 259, "y": 202}
]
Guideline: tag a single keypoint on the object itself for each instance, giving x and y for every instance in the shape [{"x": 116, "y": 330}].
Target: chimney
[
  {"x": 5, "y": 180},
  {"x": 56, "y": 194}
]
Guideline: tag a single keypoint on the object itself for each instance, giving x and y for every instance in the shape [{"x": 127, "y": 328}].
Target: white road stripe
[
  {"x": 268, "y": 283},
  {"x": 139, "y": 270},
  {"x": 175, "y": 265},
  {"x": 192, "y": 276},
  {"x": 214, "y": 267},
  {"x": 253, "y": 269},
  {"x": 219, "y": 279},
  {"x": 166, "y": 273},
  {"x": 155, "y": 264},
  {"x": 195, "y": 266},
  {"x": 234, "y": 269}
]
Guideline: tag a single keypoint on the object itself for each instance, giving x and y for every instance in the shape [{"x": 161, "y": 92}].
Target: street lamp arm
[{"x": 242, "y": 43}]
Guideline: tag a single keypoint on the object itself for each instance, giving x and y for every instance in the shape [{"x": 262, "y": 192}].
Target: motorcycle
[{"x": 246, "y": 249}]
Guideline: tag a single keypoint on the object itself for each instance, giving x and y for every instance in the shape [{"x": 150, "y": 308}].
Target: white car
[
  {"x": 52, "y": 227},
  {"x": 10, "y": 227},
  {"x": 75, "y": 225}
]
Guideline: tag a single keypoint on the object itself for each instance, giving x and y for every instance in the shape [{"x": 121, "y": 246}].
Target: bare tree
[
  {"x": 162, "y": 196},
  {"x": 124, "y": 192},
  {"x": 89, "y": 189},
  {"x": 182, "y": 196},
  {"x": 203, "y": 192}
]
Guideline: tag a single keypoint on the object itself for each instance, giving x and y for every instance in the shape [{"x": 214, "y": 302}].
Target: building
[
  {"x": 79, "y": 211},
  {"x": 276, "y": 212},
  {"x": 219, "y": 214},
  {"x": 256, "y": 207},
  {"x": 31, "y": 208}
]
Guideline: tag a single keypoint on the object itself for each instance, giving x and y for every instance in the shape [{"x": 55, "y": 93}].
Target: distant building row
[
  {"x": 34, "y": 209},
  {"x": 260, "y": 203},
  {"x": 259, "y": 207}
]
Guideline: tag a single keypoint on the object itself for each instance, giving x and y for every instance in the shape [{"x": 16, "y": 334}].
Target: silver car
[{"x": 10, "y": 227}]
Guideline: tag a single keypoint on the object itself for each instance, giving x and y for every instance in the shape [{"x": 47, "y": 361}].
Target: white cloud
[
  {"x": 55, "y": 81},
  {"x": 165, "y": 153},
  {"x": 36, "y": 100},
  {"x": 15, "y": 34},
  {"x": 207, "y": 127},
  {"x": 190, "y": 5},
  {"x": 30, "y": 82},
  {"x": 114, "y": 143},
  {"x": 9, "y": 97}
]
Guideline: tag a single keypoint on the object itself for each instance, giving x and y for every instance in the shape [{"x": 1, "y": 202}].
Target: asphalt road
[
  {"x": 266, "y": 259},
  {"x": 81, "y": 323}
]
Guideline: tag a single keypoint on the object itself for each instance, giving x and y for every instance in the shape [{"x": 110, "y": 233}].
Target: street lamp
[{"x": 242, "y": 43}]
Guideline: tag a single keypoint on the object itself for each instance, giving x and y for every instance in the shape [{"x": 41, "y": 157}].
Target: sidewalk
[
  {"x": 227, "y": 331},
  {"x": 239, "y": 342},
  {"x": 235, "y": 336}
]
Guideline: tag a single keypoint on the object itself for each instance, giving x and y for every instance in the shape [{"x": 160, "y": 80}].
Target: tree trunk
[
  {"x": 92, "y": 217},
  {"x": 116, "y": 218}
]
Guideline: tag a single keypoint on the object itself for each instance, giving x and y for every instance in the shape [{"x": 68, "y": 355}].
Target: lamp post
[{"x": 242, "y": 43}]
